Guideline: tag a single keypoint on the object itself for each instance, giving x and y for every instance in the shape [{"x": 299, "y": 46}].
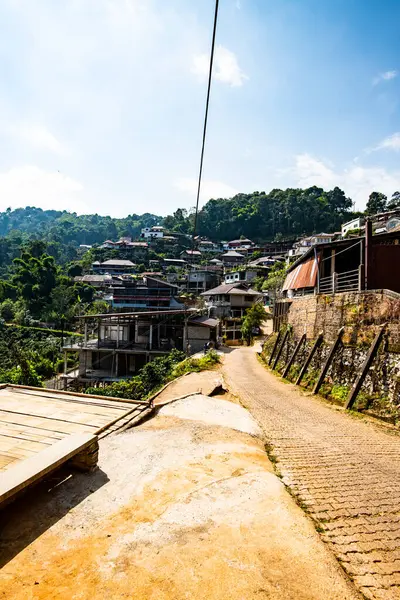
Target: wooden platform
[{"x": 34, "y": 419}]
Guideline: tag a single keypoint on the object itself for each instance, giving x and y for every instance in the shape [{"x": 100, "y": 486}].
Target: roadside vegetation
[{"x": 156, "y": 374}]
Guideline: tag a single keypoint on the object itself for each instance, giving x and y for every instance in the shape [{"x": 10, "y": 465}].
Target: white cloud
[
  {"x": 31, "y": 186},
  {"x": 356, "y": 181},
  {"x": 38, "y": 137},
  {"x": 386, "y": 76},
  {"x": 392, "y": 142},
  {"x": 209, "y": 188},
  {"x": 226, "y": 68}
]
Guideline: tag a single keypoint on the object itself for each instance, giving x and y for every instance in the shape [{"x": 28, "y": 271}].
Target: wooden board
[
  {"x": 37, "y": 466},
  {"x": 33, "y": 420}
]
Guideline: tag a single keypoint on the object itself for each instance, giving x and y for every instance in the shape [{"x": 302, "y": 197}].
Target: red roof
[{"x": 303, "y": 276}]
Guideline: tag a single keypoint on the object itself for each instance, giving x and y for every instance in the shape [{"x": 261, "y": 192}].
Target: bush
[
  {"x": 7, "y": 310},
  {"x": 155, "y": 374}
]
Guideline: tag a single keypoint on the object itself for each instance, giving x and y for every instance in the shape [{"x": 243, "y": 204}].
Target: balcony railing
[{"x": 349, "y": 281}]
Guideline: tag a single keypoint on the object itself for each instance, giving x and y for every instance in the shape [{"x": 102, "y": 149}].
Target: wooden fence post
[
  {"x": 328, "y": 361},
  {"x": 295, "y": 352},
  {"x": 278, "y": 354},
  {"x": 278, "y": 337},
  {"x": 313, "y": 350},
  {"x": 352, "y": 397}
]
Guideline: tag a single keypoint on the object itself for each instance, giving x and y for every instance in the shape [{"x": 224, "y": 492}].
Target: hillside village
[
  {"x": 166, "y": 339},
  {"x": 196, "y": 292}
]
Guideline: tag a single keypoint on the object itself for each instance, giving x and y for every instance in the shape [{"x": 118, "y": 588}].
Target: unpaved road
[
  {"x": 344, "y": 469},
  {"x": 184, "y": 506}
]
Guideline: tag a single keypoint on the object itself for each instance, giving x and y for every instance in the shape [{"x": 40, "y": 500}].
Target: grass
[{"x": 195, "y": 365}]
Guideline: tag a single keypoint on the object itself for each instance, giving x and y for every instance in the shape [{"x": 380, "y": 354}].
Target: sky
[{"x": 102, "y": 101}]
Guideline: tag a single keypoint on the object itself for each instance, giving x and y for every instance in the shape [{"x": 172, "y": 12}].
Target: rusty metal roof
[{"x": 303, "y": 276}]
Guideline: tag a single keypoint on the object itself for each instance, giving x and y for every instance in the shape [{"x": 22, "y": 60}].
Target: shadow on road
[{"x": 40, "y": 507}]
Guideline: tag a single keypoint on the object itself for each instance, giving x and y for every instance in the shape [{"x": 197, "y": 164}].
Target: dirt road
[{"x": 343, "y": 469}]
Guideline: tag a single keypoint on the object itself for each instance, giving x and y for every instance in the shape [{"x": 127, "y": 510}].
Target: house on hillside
[
  {"x": 145, "y": 293},
  {"x": 229, "y": 302},
  {"x": 136, "y": 250},
  {"x": 99, "y": 282},
  {"x": 242, "y": 244},
  {"x": 231, "y": 299},
  {"x": 201, "y": 280},
  {"x": 191, "y": 255},
  {"x": 151, "y": 233},
  {"x": 263, "y": 261},
  {"x": 116, "y": 345},
  {"x": 232, "y": 259},
  {"x": 245, "y": 275},
  {"x": 353, "y": 225},
  {"x": 205, "y": 245},
  {"x": 302, "y": 246},
  {"x": 114, "y": 266}
]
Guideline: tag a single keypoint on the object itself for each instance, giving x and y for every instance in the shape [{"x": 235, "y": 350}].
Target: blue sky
[{"x": 102, "y": 101}]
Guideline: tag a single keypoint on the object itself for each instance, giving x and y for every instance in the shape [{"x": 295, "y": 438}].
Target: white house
[
  {"x": 152, "y": 232},
  {"x": 357, "y": 223}
]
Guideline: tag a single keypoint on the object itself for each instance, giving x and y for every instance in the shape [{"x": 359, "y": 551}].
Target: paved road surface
[{"x": 344, "y": 470}]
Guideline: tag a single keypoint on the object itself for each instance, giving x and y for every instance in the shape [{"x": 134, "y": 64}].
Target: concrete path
[
  {"x": 184, "y": 507},
  {"x": 343, "y": 469}
]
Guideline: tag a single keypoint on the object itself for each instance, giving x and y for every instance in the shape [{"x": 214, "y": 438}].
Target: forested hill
[
  {"x": 69, "y": 228},
  {"x": 259, "y": 216}
]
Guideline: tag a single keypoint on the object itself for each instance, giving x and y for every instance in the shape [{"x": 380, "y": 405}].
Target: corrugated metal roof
[
  {"x": 303, "y": 276},
  {"x": 204, "y": 321}
]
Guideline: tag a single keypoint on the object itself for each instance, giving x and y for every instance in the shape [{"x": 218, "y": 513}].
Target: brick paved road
[{"x": 344, "y": 470}]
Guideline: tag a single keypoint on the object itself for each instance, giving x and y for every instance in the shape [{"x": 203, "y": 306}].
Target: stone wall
[
  {"x": 380, "y": 393},
  {"x": 361, "y": 313}
]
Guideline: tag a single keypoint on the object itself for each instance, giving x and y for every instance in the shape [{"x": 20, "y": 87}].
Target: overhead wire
[{"x": 205, "y": 121}]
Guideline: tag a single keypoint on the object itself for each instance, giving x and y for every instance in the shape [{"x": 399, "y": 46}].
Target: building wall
[
  {"x": 361, "y": 313},
  {"x": 197, "y": 337},
  {"x": 384, "y": 269}
]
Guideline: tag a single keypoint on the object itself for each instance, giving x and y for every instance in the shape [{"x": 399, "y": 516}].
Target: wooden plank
[
  {"x": 75, "y": 394},
  {"x": 278, "y": 354},
  {"x": 60, "y": 415},
  {"x": 33, "y": 406},
  {"x": 352, "y": 397},
  {"x": 113, "y": 406},
  {"x": 328, "y": 361},
  {"x": 32, "y": 469},
  {"x": 278, "y": 337},
  {"x": 40, "y": 422},
  {"x": 295, "y": 352},
  {"x": 313, "y": 350}
]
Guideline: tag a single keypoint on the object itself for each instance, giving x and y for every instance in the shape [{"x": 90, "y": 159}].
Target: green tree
[
  {"x": 253, "y": 320},
  {"x": 75, "y": 270},
  {"x": 276, "y": 277},
  {"x": 7, "y": 310},
  {"x": 394, "y": 202},
  {"x": 36, "y": 278},
  {"x": 376, "y": 203}
]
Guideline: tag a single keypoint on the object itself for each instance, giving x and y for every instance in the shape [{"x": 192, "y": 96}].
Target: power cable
[{"x": 205, "y": 120}]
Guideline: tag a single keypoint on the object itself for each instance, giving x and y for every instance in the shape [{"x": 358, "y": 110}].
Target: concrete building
[
  {"x": 302, "y": 246},
  {"x": 229, "y": 302},
  {"x": 353, "y": 225},
  {"x": 116, "y": 345}
]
